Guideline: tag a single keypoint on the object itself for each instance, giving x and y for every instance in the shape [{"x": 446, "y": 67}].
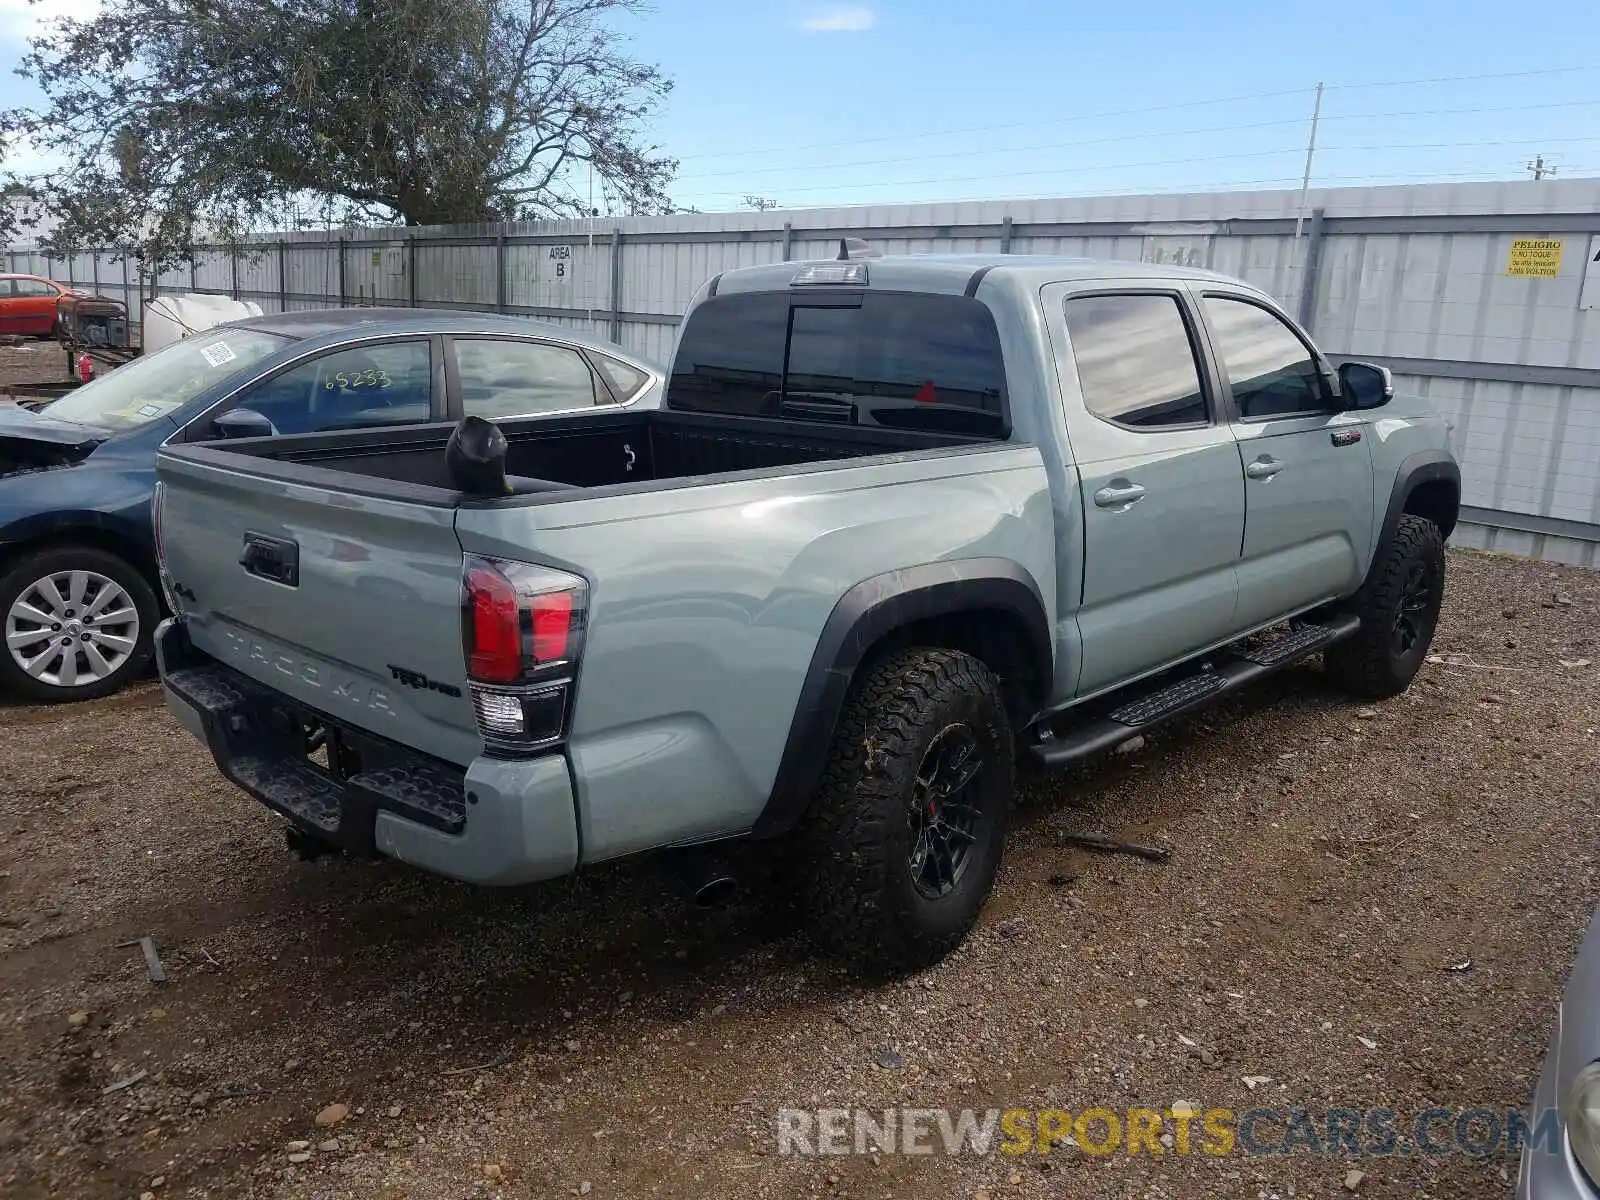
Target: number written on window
[
  {"x": 386, "y": 384},
  {"x": 1270, "y": 370},
  {"x": 1136, "y": 364},
  {"x": 369, "y": 377}
]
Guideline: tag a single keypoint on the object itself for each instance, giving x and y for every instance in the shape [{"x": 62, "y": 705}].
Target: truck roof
[{"x": 953, "y": 273}]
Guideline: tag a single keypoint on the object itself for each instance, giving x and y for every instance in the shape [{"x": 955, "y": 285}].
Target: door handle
[
  {"x": 277, "y": 559},
  {"x": 1119, "y": 495},
  {"x": 1263, "y": 468}
]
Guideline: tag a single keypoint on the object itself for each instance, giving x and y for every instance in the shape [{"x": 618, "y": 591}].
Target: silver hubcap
[{"x": 72, "y": 628}]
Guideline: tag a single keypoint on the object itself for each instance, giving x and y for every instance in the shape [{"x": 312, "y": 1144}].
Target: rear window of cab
[{"x": 902, "y": 360}]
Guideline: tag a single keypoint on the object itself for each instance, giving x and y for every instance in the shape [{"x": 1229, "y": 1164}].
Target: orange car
[{"x": 28, "y": 304}]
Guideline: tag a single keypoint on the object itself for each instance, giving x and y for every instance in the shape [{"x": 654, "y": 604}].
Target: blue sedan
[{"x": 79, "y": 598}]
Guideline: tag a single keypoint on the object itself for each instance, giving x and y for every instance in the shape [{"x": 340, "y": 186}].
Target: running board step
[
  {"x": 1295, "y": 645},
  {"x": 1231, "y": 670},
  {"x": 1175, "y": 697}
]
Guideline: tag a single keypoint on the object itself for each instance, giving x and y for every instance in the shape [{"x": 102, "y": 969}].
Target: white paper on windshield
[
  {"x": 217, "y": 353},
  {"x": 147, "y": 411}
]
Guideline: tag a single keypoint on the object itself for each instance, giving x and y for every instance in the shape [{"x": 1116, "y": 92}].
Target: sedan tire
[{"x": 77, "y": 623}]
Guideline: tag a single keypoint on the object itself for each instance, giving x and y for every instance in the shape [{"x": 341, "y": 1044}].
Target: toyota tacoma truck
[{"x": 900, "y": 525}]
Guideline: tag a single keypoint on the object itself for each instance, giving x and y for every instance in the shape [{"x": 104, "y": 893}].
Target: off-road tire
[
  {"x": 20, "y": 573},
  {"x": 857, "y": 892},
  {"x": 1372, "y": 664}
]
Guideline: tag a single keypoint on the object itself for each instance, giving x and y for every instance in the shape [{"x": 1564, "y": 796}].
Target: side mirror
[
  {"x": 1365, "y": 385},
  {"x": 243, "y": 423}
]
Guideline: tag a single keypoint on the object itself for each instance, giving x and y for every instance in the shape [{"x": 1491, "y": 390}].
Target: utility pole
[
  {"x": 1538, "y": 168},
  {"x": 1311, "y": 150}
]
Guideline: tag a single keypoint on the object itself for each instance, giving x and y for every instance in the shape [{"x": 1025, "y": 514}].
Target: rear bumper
[{"x": 498, "y": 822}]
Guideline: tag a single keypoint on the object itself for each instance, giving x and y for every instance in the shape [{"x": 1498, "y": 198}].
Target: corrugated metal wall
[{"x": 1417, "y": 277}]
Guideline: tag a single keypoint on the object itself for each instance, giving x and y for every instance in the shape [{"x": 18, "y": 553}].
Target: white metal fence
[{"x": 1483, "y": 297}]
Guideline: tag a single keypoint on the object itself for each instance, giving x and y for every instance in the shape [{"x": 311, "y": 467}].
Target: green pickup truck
[{"x": 901, "y": 524}]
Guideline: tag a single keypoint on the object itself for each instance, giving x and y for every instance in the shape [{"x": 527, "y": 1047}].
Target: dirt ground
[{"x": 597, "y": 1037}]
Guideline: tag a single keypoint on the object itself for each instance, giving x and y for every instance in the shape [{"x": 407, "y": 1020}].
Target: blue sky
[
  {"x": 776, "y": 98},
  {"x": 882, "y": 101}
]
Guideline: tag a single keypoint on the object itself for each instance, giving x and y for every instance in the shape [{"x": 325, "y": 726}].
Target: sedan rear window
[{"x": 905, "y": 360}]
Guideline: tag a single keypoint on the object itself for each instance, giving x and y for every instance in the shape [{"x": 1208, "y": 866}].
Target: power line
[
  {"x": 1034, "y": 149},
  {"x": 911, "y": 137},
  {"x": 1120, "y": 138},
  {"x": 1447, "y": 112},
  {"x": 1159, "y": 162},
  {"x": 1462, "y": 78},
  {"x": 1458, "y": 145},
  {"x": 1118, "y": 166},
  {"x": 1128, "y": 112},
  {"x": 1485, "y": 175}
]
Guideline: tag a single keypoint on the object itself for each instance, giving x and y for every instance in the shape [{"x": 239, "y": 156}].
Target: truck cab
[{"x": 899, "y": 523}]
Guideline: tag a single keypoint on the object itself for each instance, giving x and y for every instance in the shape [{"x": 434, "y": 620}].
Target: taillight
[
  {"x": 157, "y": 503},
  {"x": 523, "y": 632},
  {"x": 155, "y": 521},
  {"x": 494, "y": 652},
  {"x": 552, "y": 626}
]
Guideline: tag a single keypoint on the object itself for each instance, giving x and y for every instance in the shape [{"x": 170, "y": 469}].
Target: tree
[{"x": 177, "y": 121}]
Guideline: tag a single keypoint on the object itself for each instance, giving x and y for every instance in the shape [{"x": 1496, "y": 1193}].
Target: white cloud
[
  {"x": 833, "y": 20},
  {"x": 20, "y": 20}
]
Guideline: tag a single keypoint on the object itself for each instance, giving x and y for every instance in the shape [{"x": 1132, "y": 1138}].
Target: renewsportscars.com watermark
[{"x": 1185, "y": 1128}]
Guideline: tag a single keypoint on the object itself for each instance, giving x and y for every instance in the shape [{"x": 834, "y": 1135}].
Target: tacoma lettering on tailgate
[{"x": 348, "y": 690}]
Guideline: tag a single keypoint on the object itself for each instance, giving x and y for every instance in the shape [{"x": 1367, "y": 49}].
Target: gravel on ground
[{"x": 343, "y": 1029}]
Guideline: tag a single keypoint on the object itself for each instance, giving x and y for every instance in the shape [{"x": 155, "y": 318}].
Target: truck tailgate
[{"x": 348, "y": 604}]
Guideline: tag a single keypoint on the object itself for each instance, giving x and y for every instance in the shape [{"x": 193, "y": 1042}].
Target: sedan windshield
[{"x": 147, "y": 389}]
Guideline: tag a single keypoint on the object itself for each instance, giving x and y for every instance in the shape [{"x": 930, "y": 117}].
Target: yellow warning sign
[{"x": 1535, "y": 256}]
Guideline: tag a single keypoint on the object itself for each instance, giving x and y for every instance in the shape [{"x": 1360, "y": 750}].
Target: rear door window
[
  {"x": 903, "y": 360},
  {"x": 503, "y": 377},
  {"x": 622, "y": 379},
  {"x": 1136, "y": 362}
]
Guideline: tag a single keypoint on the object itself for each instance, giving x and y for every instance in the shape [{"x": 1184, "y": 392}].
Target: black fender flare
[
  {"x": 863, "y": 616},
  {"x": 1425, "y": 466}
]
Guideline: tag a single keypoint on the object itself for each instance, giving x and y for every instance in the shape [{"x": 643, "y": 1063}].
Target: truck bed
[{"x": 554, "y": 454}]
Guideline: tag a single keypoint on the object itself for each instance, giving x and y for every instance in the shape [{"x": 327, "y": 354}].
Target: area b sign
[{"x": 1540, "y": 257}]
